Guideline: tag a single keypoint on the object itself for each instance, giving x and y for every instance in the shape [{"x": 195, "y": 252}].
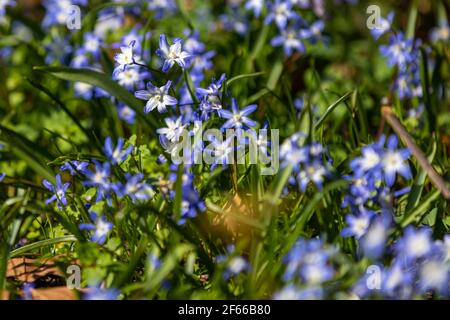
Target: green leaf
[
  {"x": 412, "y": 18},
  {"x": 330, "y": 109},
  {"x": 105, "y": 82},
  {"x": 190, "y": 86},
  {"x": 58, "y": 102},
  {"x": 275, "y": 75},
  {"x": 244, "y": 76},
  {"x": 421, "y": 209},
  {"x": 27, "y": 150},
  {"x": 40, "y": 244},
  {"x": 305, "y": 213},
  {"x": 178, "y": 193}
]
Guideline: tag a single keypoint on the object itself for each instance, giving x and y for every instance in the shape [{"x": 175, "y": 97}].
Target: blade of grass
[
  {"x": 330, "y": 110},
  {"x": 105, "y": 82},
  {"x": 34, "y": 156},
  {"x": 43, "y": 243}
]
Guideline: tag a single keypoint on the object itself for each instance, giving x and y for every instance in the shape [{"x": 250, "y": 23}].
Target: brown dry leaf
[
  {"x": 29, "y": 270},
  {"x": 55, "y": 293},
  {"x": 4, "y": 295},
  {"x": 25, "y": 269}
]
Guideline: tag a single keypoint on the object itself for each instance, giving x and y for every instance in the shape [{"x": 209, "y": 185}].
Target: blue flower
[
  {"x": 92, "y": 44},
  {"x": 57, "y": 50},
  {"x": 130, "y": 77},
  {"x": 397, "y": 281},
  {"x": 27, "y": 290},
  {"x": 434, "y": 275},
  {"x": 290, "y": 40},
  {"x": 156, "y": 97},
  {"x": 100, "y": 226},
  {"x": 235, "y": 22},
  {"x": 125, "y": 58},
  {"x": 407, "y": 84},
  {"x": 95, "y": 293},
  {"x": 385, "y": 26},
  {"x": 399, "y": 51},
  {"x": 134, "y": 188},
  {"x": 394, "y": 161},
  {"x": 191, "y": 203},
  {"x": 316, "y": 273},
  {"x": 306, "y": 161},
  {"x": 220, "y": 151},
  {"x": 154, "y": 262},
  {"x": 174, "y": 130},
  {"x": 172, "y": 54},
  {"x": 260, "y": 141},
  {"x": 373, "y": 243},
  {"x": 2, "y": 176},
  {"x": 292, "y": 154},
  {"x": 161, "y": 7},
  {"x": 314, "y": 32},
  {"x": 201, "y": 58},
  {"x": 288, "y": 292},
  {"x": 415, "y": 243},
  {"x": 75, "y": 167},
  {"x": 255, "y": 6},
  {"x": 57, "y": 11},
  {"x": 80, "y": 59},
  {"x": 358, "y": 225},
  {"x": 235, "y": 266},
  {"x": 312, "y": 172},
  {"x": 370, "y": 162},
  {"x": 440, "y": 33},
  {"x": 292, "y": 292},
  {"x": 126, "y": 113},
  {"x": 210, "y": 98},
  {"x": 311, "y": 293},
  {"x": 59, "y": 191},
  {"x": 100, "y": 180},
  {"x": 84, "y": 90},
  {"x": 377, "y": 164},
  {"x": 3, "y": 5},
  {"x": 118, "y": 154},
  {"x": 134, "y": 35},
  {"x": 280, "y": 12},
  {"x": 238, "y": 118},
  {"x": 308, "y": 260}
]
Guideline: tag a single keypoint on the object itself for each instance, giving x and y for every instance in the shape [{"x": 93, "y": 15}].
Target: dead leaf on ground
[
  {"x": 55, "y": 293},
  {"x": 4, "y": 295},
  {"x": 25, "y": 269}
]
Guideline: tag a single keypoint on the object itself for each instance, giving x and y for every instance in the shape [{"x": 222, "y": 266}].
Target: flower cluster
[
  {"x": 101, "y": 180},
  {"x": 420, "y": 266},
  {"x": 375, "y": 172},
  {"x": 308, "y": 266},
  {"x": 371, "y": 192},
  {"x": 404, "y": 54},
  {"x": 306, "y": 161}
]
